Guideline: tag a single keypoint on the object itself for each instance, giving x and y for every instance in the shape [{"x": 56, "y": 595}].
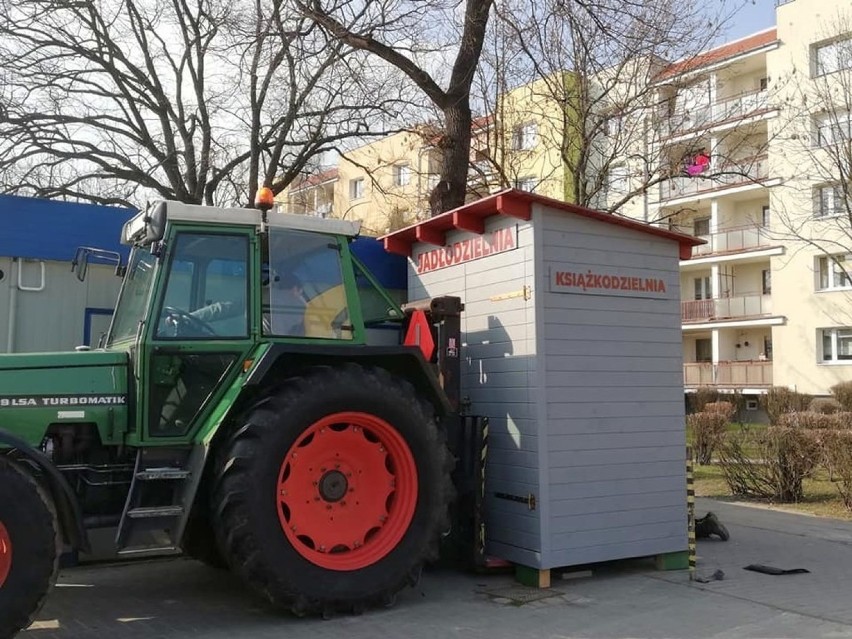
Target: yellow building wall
[
  {"x": 386, "y": 204},
  {"x": 535, "y": 103}
]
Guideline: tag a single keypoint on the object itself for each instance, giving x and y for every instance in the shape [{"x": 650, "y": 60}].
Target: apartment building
[
  {"x": 741, "y": 131},
  {"x": 386, "y": 183}
]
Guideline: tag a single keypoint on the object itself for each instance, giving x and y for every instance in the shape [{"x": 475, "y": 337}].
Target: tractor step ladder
[{"x": 158, "y": 502}]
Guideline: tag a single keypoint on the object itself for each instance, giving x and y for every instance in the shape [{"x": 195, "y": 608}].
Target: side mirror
[{"x": 80, "y": 263}]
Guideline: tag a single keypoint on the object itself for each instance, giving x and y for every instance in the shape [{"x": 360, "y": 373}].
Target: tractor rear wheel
[
  {"x": 334, "y": 491},
  {"x": 29, "y": 547}
]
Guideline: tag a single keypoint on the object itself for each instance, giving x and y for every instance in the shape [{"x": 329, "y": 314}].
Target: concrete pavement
[{"x": 180, "y": 598}]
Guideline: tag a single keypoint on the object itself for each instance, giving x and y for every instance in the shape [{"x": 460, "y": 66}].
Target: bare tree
[
  {"x": 411, "y": 36},
  {"x": 601, "y": 77},
  {"x": 199, "y": 102}
]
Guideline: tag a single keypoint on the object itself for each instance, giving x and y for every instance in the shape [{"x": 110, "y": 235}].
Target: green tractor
[{"x": 248, "y": 407}]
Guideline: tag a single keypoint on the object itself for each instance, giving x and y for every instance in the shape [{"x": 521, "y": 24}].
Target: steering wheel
[{"x": 180, "y": 318}]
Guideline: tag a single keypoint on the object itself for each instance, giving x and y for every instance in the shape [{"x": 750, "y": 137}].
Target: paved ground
[{"x": 179, "y": 598}]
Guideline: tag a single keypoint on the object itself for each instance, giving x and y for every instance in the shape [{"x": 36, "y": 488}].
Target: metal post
[{"x": 690, "y": 512}]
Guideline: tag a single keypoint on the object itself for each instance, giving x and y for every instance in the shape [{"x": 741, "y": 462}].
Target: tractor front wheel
[
  {"x": 29, "y": 556},
  {"x": 334, "y": 491}
]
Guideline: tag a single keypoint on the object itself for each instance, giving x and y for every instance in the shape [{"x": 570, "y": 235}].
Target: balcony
[
  {"x": 733, "y": 240},
  {"x": 321, "y": 210},
  {"x": 721, "y": 112},
  {"x": 754, "y": 305},
  {"x": 740, "y": 173},
  {"x": 747, "y": 374}
]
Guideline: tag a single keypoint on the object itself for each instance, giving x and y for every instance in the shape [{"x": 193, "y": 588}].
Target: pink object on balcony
[{"x": 700, "y": 163}]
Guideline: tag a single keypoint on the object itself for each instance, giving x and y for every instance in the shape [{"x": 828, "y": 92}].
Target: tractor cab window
[
  {"x": 377, "y": 304},
  {"x": 133, "y": 300},
  {"x": 206, "y": 288},
  {"x": 303, "y": 293}
]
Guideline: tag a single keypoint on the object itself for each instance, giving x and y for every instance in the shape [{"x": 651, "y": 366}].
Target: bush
[
  {"x": 779, "y": 400},
  {"x": 824, "y": 405},
  {"x": 708, "y": 429},
  {"x": 810, "y": 420},
  {"x": 769, "y": 463},
  {"x": 702, "y": 396},
  {"x": 837, "y": 456},
  {"x": 844, "y": 420},
  {"x": 843, "y": 394},
  {"x": 726, "y": 409}
]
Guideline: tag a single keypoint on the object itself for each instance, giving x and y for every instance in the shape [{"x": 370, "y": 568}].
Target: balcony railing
[
  {"x": 736, "y": 107},
  {"x": 741, "y": 306},
  {"x": 322, "y": 210},
  {"x": 732, "y": 240},
  {"x": 737, "y": 173},
  {"x": 752, "y": 373}
]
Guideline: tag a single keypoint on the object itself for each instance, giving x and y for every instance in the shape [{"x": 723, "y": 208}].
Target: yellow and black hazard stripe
[{"x": 690, "y": 510}]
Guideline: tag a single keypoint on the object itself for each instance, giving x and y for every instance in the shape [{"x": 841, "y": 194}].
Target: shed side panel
[{"x": 613, "y": 389}]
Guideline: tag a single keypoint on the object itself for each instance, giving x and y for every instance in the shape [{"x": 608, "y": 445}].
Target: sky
[{"x": 756, "y": 15}]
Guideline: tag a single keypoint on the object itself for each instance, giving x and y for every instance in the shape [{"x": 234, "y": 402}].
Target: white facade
[{"x": 759, "y": 305}]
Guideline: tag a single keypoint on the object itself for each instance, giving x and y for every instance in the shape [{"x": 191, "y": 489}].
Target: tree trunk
[{"x": 451, "y": 190}]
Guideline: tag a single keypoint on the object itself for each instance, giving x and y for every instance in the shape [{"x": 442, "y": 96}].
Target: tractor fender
[
  {"x": 405, "y": 361},
  {"x": 65, "y": 501}
]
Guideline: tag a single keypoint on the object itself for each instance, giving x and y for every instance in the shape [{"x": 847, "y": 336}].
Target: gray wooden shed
[{"x": 571, "y": 345}]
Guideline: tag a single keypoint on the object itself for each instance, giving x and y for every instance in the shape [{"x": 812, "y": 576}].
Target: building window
[
  {"x": 833, "y": 128},
  {"x": 833, "y": 56},
  {"x": 526, "y": 184},
  {"x": 701, "y": 226},
  {"x": 764, "y": 219},
  {"x": 525, "y": 136},
  {"x": 830, "y": 201},
  {"x": 613, "y": 125},
  {"x": 703, "y": 290},
  {"x": 704, "y": 350},
  {"x": 401, "y": 174},
  {"x": 767, "y": 282},
  {"x": 356, "y": 189},
  {"x": 836, "y": 344},
  {"x": 618, "y": 182},
  {"x": 833, "y": 273}
]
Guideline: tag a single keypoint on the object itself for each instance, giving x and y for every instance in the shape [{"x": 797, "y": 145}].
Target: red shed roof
[
  {"x": 517, "y": 204},
  {"x": 723, "y": 52}
]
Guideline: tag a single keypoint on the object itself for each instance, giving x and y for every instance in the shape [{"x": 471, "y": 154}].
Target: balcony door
[
  {"x": 704, "y": 349},
  {"x": 703, "y": 288}
]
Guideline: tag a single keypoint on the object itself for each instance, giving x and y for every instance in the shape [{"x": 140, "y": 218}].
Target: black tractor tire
[
  {"x": 31, "y": 532},
  {"x": 245, "y": 498}
]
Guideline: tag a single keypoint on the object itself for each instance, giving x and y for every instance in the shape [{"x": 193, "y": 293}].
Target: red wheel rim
[
  {"x": 347, "y": 491},
  {"x": 5, "y": 554}
]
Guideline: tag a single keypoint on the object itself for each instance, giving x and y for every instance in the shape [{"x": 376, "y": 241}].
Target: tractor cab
[{"x": 206, "y": 288}]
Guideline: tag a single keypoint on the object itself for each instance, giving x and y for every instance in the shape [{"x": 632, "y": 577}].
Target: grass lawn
[{"x": 821, "y": 497}]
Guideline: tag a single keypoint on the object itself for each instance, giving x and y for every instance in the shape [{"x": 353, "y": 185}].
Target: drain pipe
[{"x": 13, "y": 306}]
